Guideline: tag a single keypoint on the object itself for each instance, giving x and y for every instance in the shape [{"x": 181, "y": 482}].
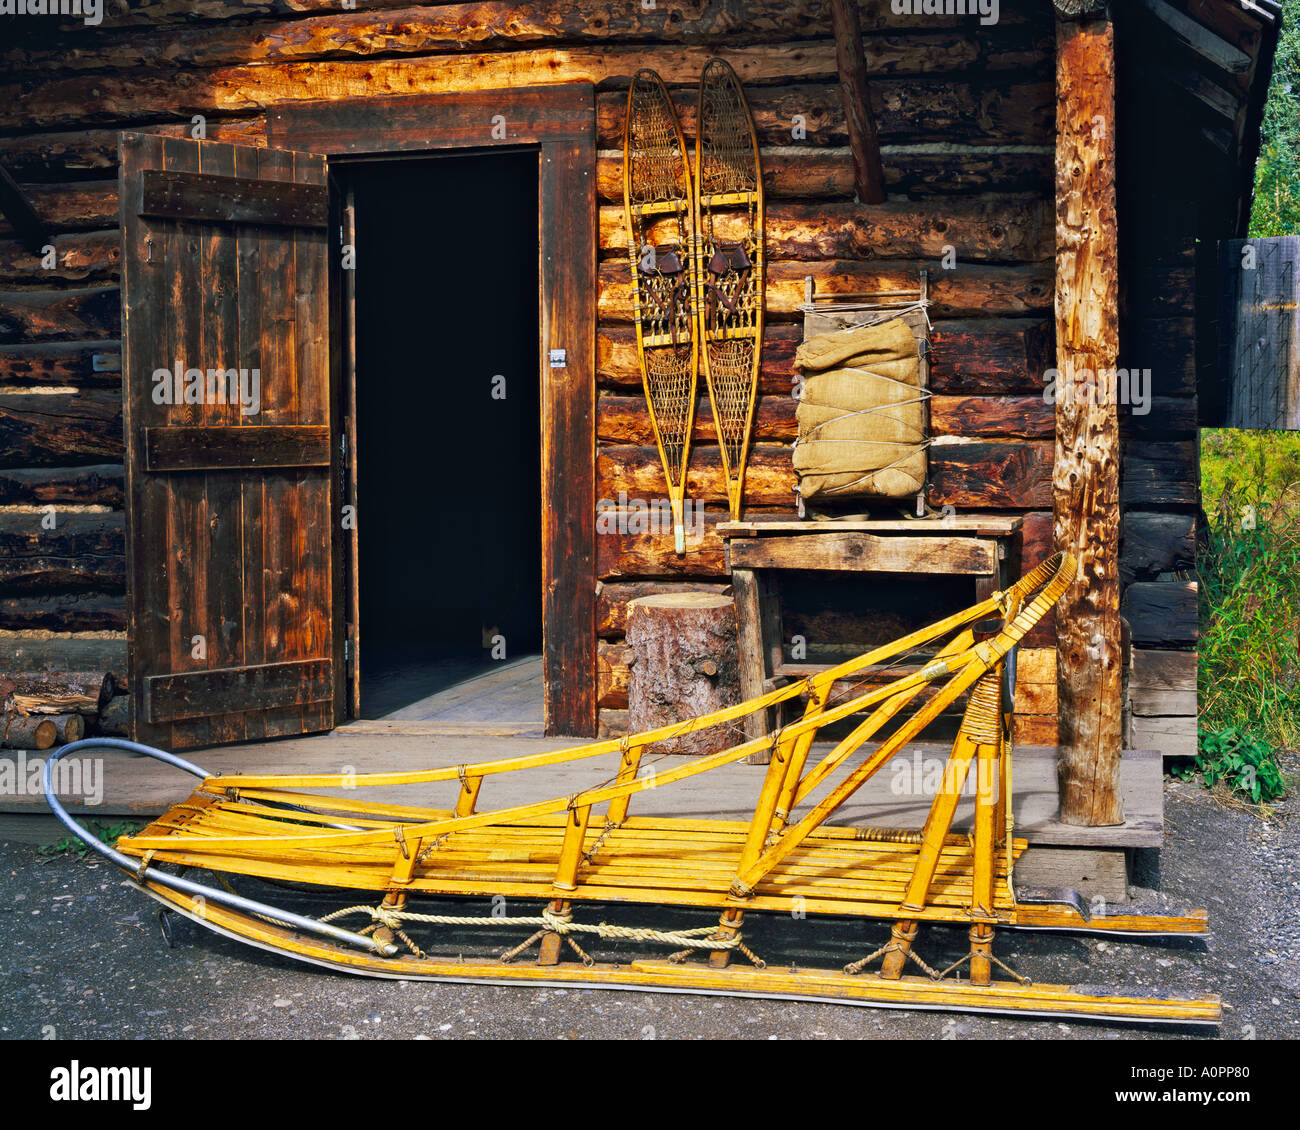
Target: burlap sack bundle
[{"x": 862, "y": 413}]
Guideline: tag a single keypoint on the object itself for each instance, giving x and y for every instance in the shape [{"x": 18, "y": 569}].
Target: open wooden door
[{"x": 230, "y": 461}]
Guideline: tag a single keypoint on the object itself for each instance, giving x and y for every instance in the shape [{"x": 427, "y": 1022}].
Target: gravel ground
[{"x": 85, "y": 960}]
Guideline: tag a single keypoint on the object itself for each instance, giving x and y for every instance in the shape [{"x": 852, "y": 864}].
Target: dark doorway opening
[{"x": 448, "y": 436}]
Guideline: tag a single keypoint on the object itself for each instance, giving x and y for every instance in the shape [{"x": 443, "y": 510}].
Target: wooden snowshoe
[
  {"x": 729, "y": 212},
  {"x": 660, "y": 222}
]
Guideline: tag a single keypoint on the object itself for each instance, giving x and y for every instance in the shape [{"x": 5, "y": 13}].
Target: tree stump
[{"x": 684, "y": 664}]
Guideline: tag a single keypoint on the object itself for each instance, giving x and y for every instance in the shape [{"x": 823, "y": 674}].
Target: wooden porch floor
[{"x": 139, "y": 787}]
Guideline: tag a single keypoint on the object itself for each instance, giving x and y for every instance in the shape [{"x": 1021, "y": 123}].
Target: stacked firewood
[{"x": 38, "y": 711}]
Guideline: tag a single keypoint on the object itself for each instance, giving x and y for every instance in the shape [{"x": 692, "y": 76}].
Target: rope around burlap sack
[{"x": 562, "y": 924}]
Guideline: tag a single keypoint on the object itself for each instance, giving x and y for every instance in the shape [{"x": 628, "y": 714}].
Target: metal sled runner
[{"x": 378, "y": 861}]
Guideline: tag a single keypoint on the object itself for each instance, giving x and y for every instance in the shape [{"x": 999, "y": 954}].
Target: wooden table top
[{"x": 979, "y": 525}]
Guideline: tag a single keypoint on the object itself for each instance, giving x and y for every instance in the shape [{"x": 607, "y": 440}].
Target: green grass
[
  {"x": 1248, "y": 567},
  {"x": 70, "y": 845}
]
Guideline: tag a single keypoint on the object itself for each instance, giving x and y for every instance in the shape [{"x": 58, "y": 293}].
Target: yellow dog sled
[{"x": 381, "y": 860}]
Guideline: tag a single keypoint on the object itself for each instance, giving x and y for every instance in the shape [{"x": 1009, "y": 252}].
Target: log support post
[
  {"x": 868, "y": 174},
  {"x": 1085, "y": 483}
]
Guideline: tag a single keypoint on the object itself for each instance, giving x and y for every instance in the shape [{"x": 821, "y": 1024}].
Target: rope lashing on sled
[
  {"x": 889, "y": 947},
  {"x": 561, "y": 924}
]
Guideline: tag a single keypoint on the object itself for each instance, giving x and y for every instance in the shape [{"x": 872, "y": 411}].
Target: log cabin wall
[{"x": 965, "y": 115}]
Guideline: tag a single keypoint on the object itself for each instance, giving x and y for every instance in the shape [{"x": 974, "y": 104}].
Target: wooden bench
[{"x": 984, "y": 547}]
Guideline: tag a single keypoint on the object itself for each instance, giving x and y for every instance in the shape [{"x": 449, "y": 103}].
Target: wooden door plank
[
  {"x": 563, "y": 112},
  {"x": 352, "y": 470},
  {"x": 277, "y": 273},
  {"x": 568, "y": 274},
  {"x": 187, "y": 593},
  {"x": 223, "y": 522},
  {"x": 248, "y": 163},
  {"x": 142, "y": 311},
  {"x": 226, "y": 692},
  {"x": 225, "y": 447},
  {"x": 225, "y": 198},
  {"x": 314, "y": 631}
]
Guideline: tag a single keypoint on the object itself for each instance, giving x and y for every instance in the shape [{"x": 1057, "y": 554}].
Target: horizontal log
[
  {"x": 79, "y": 206},
  {"x": 204, "y": 198},
  {"x": 1018, "y": 110},
  {"x": 71, "y": 154},
  {"x": 79, "y": 364},
  {"x": 1157, "y": 417},
  {"x": 613, "y": 675},
  {"x": 636, "y": 471},
  {"x": 627, "y": 547},
  {"x": 990, "y": 355},
  {"x": 60, "y": 315},
  {"x": 1162, "y": 683},
  {"x": 906, "y": 111},
  {"x": 799, "y": 171},
  {"x": 65, "y": 693},
  {"x": 972, "y": 290},
  {"x": 1172, "y": 735},
  {"x": 946, "y": 168},
  {"x": 626, "y": 419},
  {"x": 612, "y": 723},
  {"x": 1001, "y": 229},
  {"x": 83, "y": 551},
  {"x": 618, "y": 366},
  {"x": 612, "y": 600},
  {"x": 1035, "y": 729},
  {"x": 77, "y": 258},
  {"x": 1163, "y": 670},
  {"x": 1037, "y": 699},
  {"x": 1025, "y": 417},
  {"x": 877, "y": 15},
  {"x": 64, "y": 612},
  {"x": 1160, "y": 474},
  {"x": 102, "y": 484},
  {"x": 65, "y": 651},
  {"x": 1163, "y": 292},
  {"x": 198, "y": 694},
  {"x": 1161, "y": 612},
  {"x": 1153, "y": 543},
  {"x": 1008, "y": 474},
  {"x": 1166, "y": 346},
  {"x": 60, "y": 427},
  {"x": 838, "y": 552},
  {"x": 226, "y": 448},
  {"x": 1036, "y": 665},
  {"x": 500, "y": 26}
]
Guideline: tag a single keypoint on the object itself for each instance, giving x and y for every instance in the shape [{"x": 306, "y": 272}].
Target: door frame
[{"x": 559, "y": 123}]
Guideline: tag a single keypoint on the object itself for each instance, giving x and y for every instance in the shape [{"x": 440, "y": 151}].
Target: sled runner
[{"x": 378, "y": 864}]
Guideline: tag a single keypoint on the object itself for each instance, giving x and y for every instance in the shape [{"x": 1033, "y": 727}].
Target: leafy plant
[
  {"x": 1243, "y": 763},
  {"x": 70, "y": 845},
  {"x": 1248, "y": 566},
  {"x": 1276, "y": 206}
]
